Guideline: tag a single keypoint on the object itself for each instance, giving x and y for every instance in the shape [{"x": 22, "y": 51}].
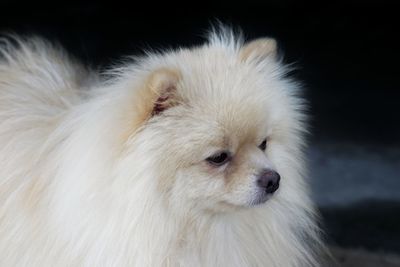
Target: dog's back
[{"x": 38, "y": 85}]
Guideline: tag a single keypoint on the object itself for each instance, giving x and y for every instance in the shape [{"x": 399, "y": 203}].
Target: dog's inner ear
[
  {"x": 259, "y": 49},
  {"x": 163, "y": 84},
  {"x": 159, "y": 92}
]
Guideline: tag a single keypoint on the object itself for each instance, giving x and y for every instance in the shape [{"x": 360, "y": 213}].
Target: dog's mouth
[{"x": 262, "y": 197}]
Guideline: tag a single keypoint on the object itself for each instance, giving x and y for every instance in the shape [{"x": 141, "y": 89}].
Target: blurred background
[{"x": 347, "y": 56}]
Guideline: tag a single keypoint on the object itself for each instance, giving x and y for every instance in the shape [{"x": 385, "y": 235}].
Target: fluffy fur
[{"x": 111, "y": 172}]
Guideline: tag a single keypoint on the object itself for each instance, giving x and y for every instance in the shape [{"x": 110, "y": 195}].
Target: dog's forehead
[
  {"x": 224, "y": 90},
  {"x": 231, "y": 119},
  {"x": 222, "y": 80}
]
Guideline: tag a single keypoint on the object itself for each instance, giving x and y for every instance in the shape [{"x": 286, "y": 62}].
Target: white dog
[{"x": 186, "y": 158}]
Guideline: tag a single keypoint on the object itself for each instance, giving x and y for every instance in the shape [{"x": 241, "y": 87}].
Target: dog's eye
[
  {"x": 263, "y": 145},
  {"x": 218, "y": 159}
]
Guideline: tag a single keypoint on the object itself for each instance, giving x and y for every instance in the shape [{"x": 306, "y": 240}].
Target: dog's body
[{"x": 111, "y": 173}]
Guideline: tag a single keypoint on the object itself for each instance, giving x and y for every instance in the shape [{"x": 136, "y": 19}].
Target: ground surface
[
  {"x": 357, "y": 189},
  {"x": 362, "y": 258}
]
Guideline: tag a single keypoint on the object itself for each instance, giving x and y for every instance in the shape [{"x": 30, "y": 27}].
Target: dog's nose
[{"x": 269, "y": 180}]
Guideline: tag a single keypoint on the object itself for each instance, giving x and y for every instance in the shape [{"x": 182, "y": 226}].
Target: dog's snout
[{"x": 269, "y": 180}]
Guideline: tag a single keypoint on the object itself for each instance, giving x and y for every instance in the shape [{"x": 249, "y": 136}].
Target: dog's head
[{"x": 220, "y": 124}]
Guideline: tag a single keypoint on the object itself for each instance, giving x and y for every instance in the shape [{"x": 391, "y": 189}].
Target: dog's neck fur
[{"x": 242, "y": 238}]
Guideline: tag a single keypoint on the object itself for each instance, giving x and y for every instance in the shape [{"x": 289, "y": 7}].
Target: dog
[{"x": 191, "y": 157}]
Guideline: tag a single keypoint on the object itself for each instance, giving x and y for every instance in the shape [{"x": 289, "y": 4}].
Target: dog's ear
[
  {"x": 259, "y": 49},
  {"x": 162, "y": 84},
  {"x": 157, "y": 94}
]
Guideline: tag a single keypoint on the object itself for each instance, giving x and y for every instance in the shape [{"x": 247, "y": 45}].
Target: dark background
[{"x": 347, "y": 54}]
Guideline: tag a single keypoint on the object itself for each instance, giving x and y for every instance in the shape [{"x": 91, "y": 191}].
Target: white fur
[{"x": 75, "y": 192}]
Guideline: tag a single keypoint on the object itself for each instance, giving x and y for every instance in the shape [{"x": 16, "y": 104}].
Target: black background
[{"x": 347, "y": 51}]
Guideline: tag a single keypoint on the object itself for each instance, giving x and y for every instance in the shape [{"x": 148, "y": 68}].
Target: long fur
[{"x": 78, "y": 174}]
